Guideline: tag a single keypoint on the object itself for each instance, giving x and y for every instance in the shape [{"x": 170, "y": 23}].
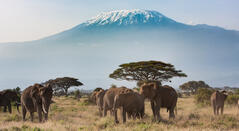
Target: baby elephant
[
  {"x": 131, "y": 103},
  {"x": 217, "y": 101}
]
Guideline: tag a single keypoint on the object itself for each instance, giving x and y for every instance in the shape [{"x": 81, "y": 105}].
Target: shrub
[
  {"x": 232, "y": 99},
  {"x": 11, "y": 117},
  {"x": 77, "y": 94},
  {"x": 180, "y": 95},
  {"x": 203, "y": 96},
  {"x": 193, "y": 116}
]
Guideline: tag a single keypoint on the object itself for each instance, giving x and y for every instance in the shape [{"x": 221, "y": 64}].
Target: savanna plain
[{"x": 70, "y": 114}]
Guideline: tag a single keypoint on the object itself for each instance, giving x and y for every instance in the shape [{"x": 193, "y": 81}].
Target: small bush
[
  {"x": 203, "y": 96},
  {"x": 14, "y": 128},
  {"x": 105, "y": 123},
  {"x": 144, "y": 126},
  {"x": 13, "y": 118},
  {"x": 180, "y": 95},
  {"x": 77, "y": 94},
  {"x": 193, "y": 116},
  {"x": 232, "y": 99}
]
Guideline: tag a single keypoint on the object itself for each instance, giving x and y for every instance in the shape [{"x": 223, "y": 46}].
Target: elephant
[
  {"x": 93, "y": 95},
  {"x": 238, "y": 104},
  {"x": 131, "y": 103},
  {"x": 36, "y": 98},
  {"x": 160, "y": 96},
  {"x": 217, "y": 101},
  {"x": 109, "y": 96},
  {"x": 99, "y": 100},
  {"x": 6, "y": 97}
]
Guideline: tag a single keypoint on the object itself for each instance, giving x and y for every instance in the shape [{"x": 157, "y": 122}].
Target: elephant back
[
  {"x": 111, "y": 93},
  {"x": 168, "y": 96}
]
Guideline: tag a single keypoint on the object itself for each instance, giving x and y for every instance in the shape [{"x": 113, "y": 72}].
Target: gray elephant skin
[
  {"x": 36, "y": 98},
  {"x": 99, "y": 95},
  {"x": 217, "y": 101},
  {"x": 131, "y": 103},
  {"x": 160, "y": 97},
  {"x": 109, "y": 96},
  {"x": 8, "y": 96}
]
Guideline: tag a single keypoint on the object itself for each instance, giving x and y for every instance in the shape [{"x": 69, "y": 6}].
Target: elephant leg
[
  {"x": 214, "y": 110},
  {"x": 24, "y": 112},
  {"x": 158, "y": 114},
  {"x": 111, "y": 112},
  {"x": 46, "y": 116},
  {"x": 171, "y": 113},
  {"x": 5, "y": 109},
  {"x": 218, "y": 110},
  {"x": 40, "y": 116},
  {"x": 100, "y": 112},
  {"x": 129, "y": 114},
  {"x": 157, "y": 109},
  {"x": 116, "y": 116},
  {"x": 222, "y": 110},
  {"x": 134, "y": 115},
  {"x": 153, "y": 107},
  {"x": 124, "y": 115},
  {"x": 105, "y": 110},
  {"x": 32, "y": 116},
  {"x": 142, "y": 115},
  {"x": 10, "y": 108}
]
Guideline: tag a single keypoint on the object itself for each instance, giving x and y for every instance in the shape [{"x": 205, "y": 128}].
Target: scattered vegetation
[
  {"x": 62, "y": 84},
  {"x": 193, "y": 86},
  {"x": 67, "y": 113},
  {"x": 203, "y": 96},
  {"x": 232, "y": 99},
  {"x": 146, "y": 71}
]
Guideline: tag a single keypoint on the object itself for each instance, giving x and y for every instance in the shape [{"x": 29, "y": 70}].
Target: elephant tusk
[{"x": 44, "y": 110}]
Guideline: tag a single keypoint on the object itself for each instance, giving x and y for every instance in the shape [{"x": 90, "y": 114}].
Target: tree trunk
[{"x": 66, "y": 91}]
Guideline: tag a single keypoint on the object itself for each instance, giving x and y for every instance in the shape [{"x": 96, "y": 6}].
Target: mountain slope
[{"x": 93, "y": 49}]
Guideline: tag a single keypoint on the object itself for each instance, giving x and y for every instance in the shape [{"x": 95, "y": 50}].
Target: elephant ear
[
  {"x": 152, "y": 85},
  {"x": 42, "y": 90},
  {"x": 34, "y": 92}
]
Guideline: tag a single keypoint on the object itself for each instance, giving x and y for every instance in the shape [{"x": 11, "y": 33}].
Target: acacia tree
[
  {"x": 193, "y": 86},
  {"x": 63, "y": 84},
  {"x": 146, "y": 71}
]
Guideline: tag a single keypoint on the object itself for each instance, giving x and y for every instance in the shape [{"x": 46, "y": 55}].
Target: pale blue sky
[{"x": 23, "y": 20}]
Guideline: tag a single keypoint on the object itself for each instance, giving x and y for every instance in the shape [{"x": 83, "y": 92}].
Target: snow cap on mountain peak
[{"x": 127, "y": 17}]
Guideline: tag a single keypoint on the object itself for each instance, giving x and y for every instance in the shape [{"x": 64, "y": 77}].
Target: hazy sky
[{"x": 23, "y": 20}]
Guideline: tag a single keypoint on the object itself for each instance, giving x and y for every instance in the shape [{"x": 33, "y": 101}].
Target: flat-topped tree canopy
[
  {"x": 63, "y": 83},
  {"x": 146, "y": 71}
]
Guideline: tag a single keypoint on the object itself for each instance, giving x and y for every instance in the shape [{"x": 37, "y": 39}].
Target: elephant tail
[
  {"x": 176, "y": 110},
  {"x": 18, "y": 104}
]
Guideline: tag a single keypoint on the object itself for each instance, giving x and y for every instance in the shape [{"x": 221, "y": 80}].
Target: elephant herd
[
  {"x": 37, "y": 98},
  {"x": 132, "y": 103}
]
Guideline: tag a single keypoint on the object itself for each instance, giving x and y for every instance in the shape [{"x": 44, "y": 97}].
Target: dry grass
[{"x": 72, "y": 115}]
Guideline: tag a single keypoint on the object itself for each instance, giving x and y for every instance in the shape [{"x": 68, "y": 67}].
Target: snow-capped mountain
[
  {"x": 94, "y": 48},
  {"x": 128, "y": 17},
  {"x": 135, "y": 23}
]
